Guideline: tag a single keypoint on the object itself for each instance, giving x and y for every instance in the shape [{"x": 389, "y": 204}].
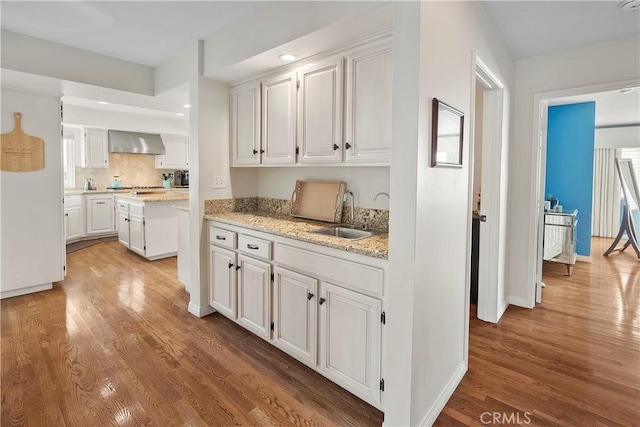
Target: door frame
[{"x": 538, "y": 168}]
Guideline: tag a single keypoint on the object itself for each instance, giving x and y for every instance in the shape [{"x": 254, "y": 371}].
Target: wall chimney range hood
[{"x": 135, "y": 142}]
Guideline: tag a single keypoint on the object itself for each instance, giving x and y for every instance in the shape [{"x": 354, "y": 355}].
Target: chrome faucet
[
  {"x": 344, "y": 199},
  {"x": 381, "y": 194}
]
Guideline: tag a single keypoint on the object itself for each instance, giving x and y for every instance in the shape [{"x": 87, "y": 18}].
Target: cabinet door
[
  {"x": 73, "y": 223},
  {"x": 350, "y": 340},
  {"x": 254, "y": 295},
  {"x": 245, "y": 124},
  {"x": 368, "y": 118},
  {"x": 176, "y": 154},
  {"x": 320, "y": 112},
  {"x": 279, "y": 119},
  {"x": 222, "y": 281},
  {"x": 295, "y": 307},
  {"x": 136, "y": 234},
  {"x": 123, "y": 228},
  {"x": 95, "y": 153},
  {"x": 100, "y": 217}
]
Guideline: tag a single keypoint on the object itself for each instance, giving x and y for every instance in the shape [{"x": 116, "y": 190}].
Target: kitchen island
[{"x": 148, "y": 224}]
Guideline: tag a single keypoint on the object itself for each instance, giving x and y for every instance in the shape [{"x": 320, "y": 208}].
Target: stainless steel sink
[{"x": 344, "y": 232}]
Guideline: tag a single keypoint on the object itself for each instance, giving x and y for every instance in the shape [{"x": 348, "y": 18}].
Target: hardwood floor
[
  {"x": 573, "y": 360},
  {"x": 113, "y": 344}
]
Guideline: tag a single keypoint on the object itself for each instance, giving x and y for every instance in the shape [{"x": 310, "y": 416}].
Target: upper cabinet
[
  {"x": 368, "y": 106},
  {"x": 176, "y": 154},
  {"x": 320, "y": 112},
  {"x": 245, "y": 124},
  {"x": 279, "y": 119},
  {"x": 95, "y": 148},
  {"x": 317, "y": 113}
]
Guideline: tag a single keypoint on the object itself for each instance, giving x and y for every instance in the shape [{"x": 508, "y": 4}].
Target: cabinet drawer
[
  {"x": 123, "y": 206},
  {"x": 254, "y": 246},
  {"x": 136, "y": 209},
  {"x": 224, "y": 238},
  {"x": 72, "y": 201},
  {"x": 359, "y": 277}
]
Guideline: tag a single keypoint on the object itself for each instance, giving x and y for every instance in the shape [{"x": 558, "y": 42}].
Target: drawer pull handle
[
  {"x": 100, "y": 203},
  {"x": 221, "y": 238},
  {"x": 309, "y": 296},
  {"x": 230, "y": 265},
  {"x": 322, "y": 300},
  {"x": 254, "y": 247}
]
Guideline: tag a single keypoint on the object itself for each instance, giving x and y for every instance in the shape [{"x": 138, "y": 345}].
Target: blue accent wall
[{"x": 570, "y": 145}]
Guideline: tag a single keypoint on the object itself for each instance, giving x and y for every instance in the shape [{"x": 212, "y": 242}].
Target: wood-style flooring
[
  {"x": 113, "y": 344},
  {"x": 572, "y": 361}
]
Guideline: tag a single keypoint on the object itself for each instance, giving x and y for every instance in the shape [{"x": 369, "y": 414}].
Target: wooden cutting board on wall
[
  {"x": 20, "y": 152},
  {"x": 319, "y": 200}
]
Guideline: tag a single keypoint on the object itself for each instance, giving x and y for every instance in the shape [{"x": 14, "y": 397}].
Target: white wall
[
  {"x": 37, "y": 56},
  {"x": 618, "y": 137},
  {"x": 124, "y": 121},
  {"x": 588, "y": 66},
  {"x": 438, "y": 229},
  {"x": 364, "y": 182},
  {"x": 31, "y": 251}
]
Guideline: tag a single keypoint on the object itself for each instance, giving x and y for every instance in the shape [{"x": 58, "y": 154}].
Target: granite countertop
[
  {"x": 169, "y": 196},
  {"x": 376, "y": 246},
  {"x": 77, "y": 192}
]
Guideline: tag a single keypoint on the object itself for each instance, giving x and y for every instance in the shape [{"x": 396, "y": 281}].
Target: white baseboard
[
  {"x": 520, "y": 302},
  {"x": 503, "y": 307},
  {"x": 200, "y": 311},
  {"x": 444, "y": 396},
  {"x": 25, "y": 291}
]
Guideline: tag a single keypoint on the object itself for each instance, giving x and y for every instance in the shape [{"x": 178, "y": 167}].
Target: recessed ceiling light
[
  {"x": 179, "y": 114},
  {"x": 103, "y": 102},
  {"x": 288, "y": 57},
  {"x": 629, "y": 5},
  {"x": 187, "y": 106}
]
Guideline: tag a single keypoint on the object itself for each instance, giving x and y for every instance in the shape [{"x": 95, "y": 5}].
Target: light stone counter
[
  {"x": 376, "y": 246},
  {"x": 169, "y": 196},
  {"x": 78, "y": 192}
]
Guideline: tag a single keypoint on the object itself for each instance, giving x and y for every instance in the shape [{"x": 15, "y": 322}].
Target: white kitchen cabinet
[
  {"x": 123, "y": 228},
  {"x": 295, "y": 308},
  {"x": 350, "y": 334},
  {"x": 73, "y": 218},
  {"x": 319, "y": 115},
  {"x": 99, "y": 214},
  {"x": 95, "y": 148},
  {"x": 222, "y": 281},
  {"x": 368, "y": 106},
  {"x": 176, "y": 154},
  {"x": 245, "y": 124},
  {"x": 279, "y": 119},
  {"x": 137, "y": 234},
  {"x": 254, "y": 295}
]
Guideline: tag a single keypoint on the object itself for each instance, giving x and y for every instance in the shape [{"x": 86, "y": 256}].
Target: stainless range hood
[{"x": 135, "y": 142}]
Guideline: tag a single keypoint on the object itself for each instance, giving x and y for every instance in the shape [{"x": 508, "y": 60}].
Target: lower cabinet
[
  {"x": 254, "y": 295},
  {"x": 322, "y": 309},
  {"x": 136, "y": 234},
  {"x": 350, "y": 339},
  {"x": 123, "y": 226},
  {"x": 100, "y": 213},
  {"x": 73, "y": 219}
]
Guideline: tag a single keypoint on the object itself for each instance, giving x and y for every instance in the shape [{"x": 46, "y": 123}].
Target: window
[
  {"x": 70, "y": 145},
  {"x": 634, "y": 155}
]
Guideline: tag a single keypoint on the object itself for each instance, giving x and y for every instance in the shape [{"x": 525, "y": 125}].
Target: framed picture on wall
[{"x": 446, "y": 135}]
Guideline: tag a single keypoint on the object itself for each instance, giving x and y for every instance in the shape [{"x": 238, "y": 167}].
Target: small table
[{"x": 559, "y": 243}]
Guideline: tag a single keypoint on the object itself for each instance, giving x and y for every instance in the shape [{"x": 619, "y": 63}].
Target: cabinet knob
[
  {"x": 261, "y": 151},
  {"x": 347, "y": 145},
  {"x": 66, "y": 214},
  {"x": 237, "y": 267},
  {"x": 230, "y": 265},
  {"x": 322, "y": 300},
  {"x": 255, "y": 151},
  {"x": 335, "y": 147},
  {"x": 309, "y": 296}
]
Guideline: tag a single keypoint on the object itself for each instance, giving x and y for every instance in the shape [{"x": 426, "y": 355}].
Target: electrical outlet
[{"x": 219, "y": 181}]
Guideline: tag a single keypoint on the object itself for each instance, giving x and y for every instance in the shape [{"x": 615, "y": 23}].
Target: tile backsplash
[{"x": 133, "y": 169}]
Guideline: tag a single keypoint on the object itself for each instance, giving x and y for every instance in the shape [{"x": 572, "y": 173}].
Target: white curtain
[{"x": 605, "y": 220}]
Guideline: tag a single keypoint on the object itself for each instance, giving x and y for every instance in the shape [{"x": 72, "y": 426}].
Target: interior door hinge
[
  {"x": 383, "y": 318},
  {"x": 272, "y": 277},
  {"x": 382, "y": 384},
  {"x": 273, "y": 326}
]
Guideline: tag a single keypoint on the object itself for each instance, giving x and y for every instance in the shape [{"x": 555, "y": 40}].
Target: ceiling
[
  {"x": 152, "y": 32},
  {"x": 533, "y": 28}
]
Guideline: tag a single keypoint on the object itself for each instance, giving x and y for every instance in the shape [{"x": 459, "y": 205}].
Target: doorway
[{"x": 543, "y": 101}]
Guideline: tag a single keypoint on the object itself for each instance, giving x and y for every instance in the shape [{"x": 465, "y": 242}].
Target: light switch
[{"x": 219, "y": 181}]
